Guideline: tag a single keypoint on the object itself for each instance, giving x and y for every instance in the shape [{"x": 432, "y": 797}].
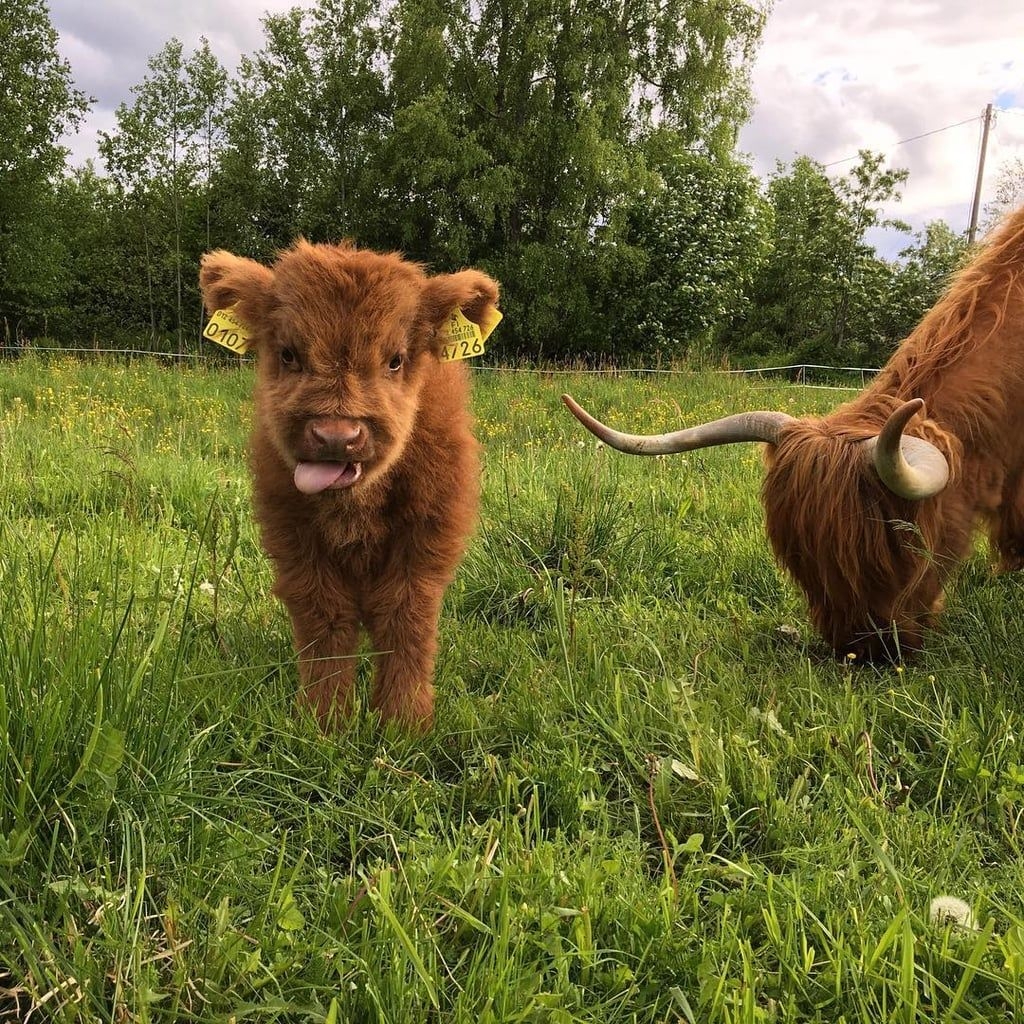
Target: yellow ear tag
[
  {"x": 226, "y": 329},
  {"x": 492, "y": 317},
  {"x": 465, "y": 339}
]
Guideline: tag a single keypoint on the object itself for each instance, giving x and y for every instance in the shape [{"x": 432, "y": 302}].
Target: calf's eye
[
  {"x": 397, "y": 360},
  {"x": 288, "y": 357}
]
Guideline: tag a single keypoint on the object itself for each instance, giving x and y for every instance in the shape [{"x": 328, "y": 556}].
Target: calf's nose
[{"x": 336, "y": 437}]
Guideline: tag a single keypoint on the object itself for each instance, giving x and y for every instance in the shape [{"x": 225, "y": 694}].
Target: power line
[{"x": 913, "y": 138}]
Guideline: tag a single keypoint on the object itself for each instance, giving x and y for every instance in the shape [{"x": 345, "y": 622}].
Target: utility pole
[{"x": 973, "y": 229}]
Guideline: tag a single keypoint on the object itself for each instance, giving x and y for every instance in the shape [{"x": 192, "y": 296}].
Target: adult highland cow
[{"x": 871, "y": 507}]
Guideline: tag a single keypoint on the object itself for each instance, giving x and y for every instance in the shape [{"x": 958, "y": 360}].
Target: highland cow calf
[
  {"x": 873, "y": 506},
  {"x": 364, "y": 467}
]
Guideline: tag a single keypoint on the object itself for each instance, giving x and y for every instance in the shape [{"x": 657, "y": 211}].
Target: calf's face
[{"x": 345, "y": 339}]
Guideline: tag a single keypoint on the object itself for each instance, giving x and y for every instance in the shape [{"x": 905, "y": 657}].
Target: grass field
[{"x": 650, "y": 795}]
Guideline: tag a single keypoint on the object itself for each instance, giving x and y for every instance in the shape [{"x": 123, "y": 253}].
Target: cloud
[
  {"x": 109, "y": 43},
  {"x": 831, "y": 79}
]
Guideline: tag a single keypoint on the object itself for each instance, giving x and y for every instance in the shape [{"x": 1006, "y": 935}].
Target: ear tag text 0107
[
  {"x": 465, "y": 339},
  {"x": 226, "y": 329}
]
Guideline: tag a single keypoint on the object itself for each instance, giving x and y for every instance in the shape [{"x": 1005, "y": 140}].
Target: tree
[
  {"x": 864, "y": 278},
  {"x": 304, "y": 126},
  {"x": 501, "y": 133},
  {"x": 542, "y": 108},
  {"x": 791, "y": 292},
  {"x": 209, "y": 82},
  {"x": 98, "y": 299},
  {"x": 38, "y": 105},
  {"x": 921, "y": 277},
  {"x": 516, "y": 135},
  {"x": 820, "y": 295},
  {"x": 160, "y": 159},
  {"x": 1008, "y": 192},
  {"x": 701, "y": 231}
]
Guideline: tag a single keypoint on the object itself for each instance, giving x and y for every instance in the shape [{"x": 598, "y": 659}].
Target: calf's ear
[
  {"x": 227, "y": 280},
  {"x": 472, "y": 291}
]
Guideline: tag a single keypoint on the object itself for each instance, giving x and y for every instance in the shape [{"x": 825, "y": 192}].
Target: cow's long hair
[{"x": 873, "y": 562}]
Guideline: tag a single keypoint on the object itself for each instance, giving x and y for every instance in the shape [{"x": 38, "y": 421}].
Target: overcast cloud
[
  {"x": 834, "y": 78},
  {"x": 830, "y": 78}
]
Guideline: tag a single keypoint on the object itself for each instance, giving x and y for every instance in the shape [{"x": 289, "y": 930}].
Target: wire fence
[
  {"x": 798, "y": 373},
  {"x": 141, "y": 353}
]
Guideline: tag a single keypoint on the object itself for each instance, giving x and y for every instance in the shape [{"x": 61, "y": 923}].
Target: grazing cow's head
[
  {"x": 345, "y": 339},
  {"x": 847, "y": 514}
]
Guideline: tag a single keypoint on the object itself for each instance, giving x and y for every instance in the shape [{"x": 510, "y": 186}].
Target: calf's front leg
[
  {"x": 402, "y": 622},
  {"x": 325, "y": 627}
]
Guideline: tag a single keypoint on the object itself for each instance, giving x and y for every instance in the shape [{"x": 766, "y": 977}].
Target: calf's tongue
[{"x": 314, "y": 477}]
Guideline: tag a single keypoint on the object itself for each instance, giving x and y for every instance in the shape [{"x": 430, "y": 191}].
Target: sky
[{"x": 831, "y": 77}]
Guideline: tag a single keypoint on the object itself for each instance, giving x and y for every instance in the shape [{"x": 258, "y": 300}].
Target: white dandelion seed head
[{"x": 952, "y": 910}]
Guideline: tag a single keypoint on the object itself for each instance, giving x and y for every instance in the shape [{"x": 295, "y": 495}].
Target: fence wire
[{"x": 798, "y": 372}]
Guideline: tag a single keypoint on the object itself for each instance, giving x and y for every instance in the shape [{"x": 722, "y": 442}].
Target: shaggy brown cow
[
  {"x": 871, "y": 507},
  {"x": 364, "y": 467}
]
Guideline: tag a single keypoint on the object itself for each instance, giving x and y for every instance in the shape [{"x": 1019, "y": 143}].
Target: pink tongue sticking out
[{"x": 314, "y": 477}]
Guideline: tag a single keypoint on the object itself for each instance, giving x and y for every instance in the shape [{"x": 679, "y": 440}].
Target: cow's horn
[
  {"x": 910, "y": 467},
  {"x": 744, "y": 426}
]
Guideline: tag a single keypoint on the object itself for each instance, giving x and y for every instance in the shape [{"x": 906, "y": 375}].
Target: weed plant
[{"x": 650, "y": 796}]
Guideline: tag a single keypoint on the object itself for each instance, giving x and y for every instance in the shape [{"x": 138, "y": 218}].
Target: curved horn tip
[
  {"x": 574, "y": 407},
  {"x": 910, "y": 467},
  {"x": 898, "y": 419}
]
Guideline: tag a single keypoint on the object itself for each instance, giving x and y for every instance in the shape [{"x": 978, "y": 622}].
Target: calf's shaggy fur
[{"x": 365, "y": 470}]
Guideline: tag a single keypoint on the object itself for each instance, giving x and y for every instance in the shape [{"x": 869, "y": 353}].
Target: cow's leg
[{"x": 1007, "y": 529}]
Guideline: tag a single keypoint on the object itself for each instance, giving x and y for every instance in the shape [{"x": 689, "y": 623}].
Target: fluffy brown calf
[
  {"x": 364, "y": 467},
  {"x": 871, "y": 507}
]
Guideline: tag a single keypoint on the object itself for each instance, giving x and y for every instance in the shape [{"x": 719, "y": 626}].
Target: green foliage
[
  {"x": 517, "y": 139},
  {"x": 99, "y": 302},
  {"x": 701, "y": 231},
  {"x": 160, "y": 161},
  {"x": 921, "y": 277},
  {"x": 1009, "y": 191},
  {"x": 501, "y": 135},
  {"x": 307, "y": 115},
  {"x": 643, "y": 801},
  {"x": 582, "y": 153},
  {"x": 823, "y": 292},
  {"x": 38, "y": 103}
]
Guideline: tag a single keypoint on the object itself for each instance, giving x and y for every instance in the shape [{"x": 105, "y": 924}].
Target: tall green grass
[{"x": 650, "y": 794}]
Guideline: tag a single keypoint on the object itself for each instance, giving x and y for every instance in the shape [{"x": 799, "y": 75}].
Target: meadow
[{"x": 651, "y": 795}]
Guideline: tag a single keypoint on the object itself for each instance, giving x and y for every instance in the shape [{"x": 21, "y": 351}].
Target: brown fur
[
  {"x": 872, "y": 564},
  {"x": 329, "y": 323}
]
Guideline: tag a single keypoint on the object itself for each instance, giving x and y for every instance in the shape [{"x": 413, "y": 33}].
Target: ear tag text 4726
[{"x": 465, "y": 339}]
